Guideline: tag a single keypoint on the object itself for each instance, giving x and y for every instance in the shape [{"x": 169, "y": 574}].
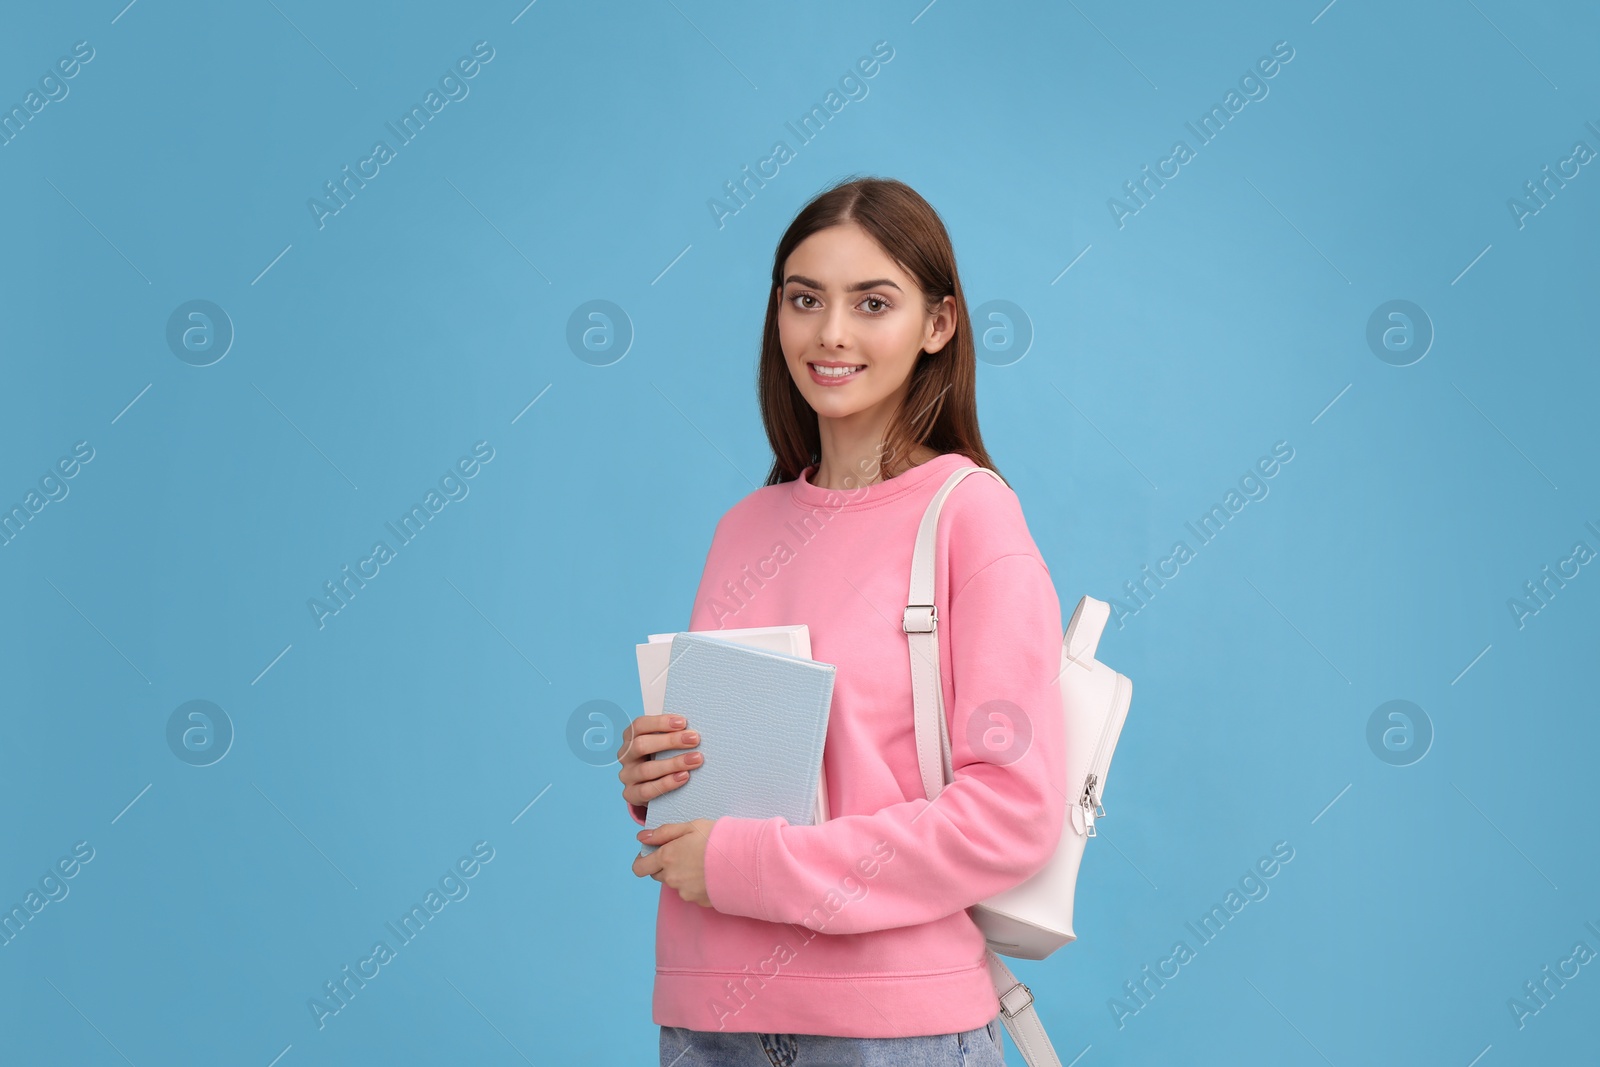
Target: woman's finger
[
  {"x": 645, "y": 791},
  {"x": 649, "y": 778},
  {"x": 651, "y": 865},
  {"x": 641, "y": 745},
  {"x": 665, "y": 832},
  {"x": 647, "y": 769},
  {"x": 662, "y": 766}
]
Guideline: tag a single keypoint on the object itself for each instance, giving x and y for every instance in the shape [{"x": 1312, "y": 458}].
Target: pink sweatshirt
[{"x": 858, "y": 927}]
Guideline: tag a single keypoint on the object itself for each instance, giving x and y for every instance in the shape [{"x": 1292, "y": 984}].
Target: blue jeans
[{"x": 681, "y": 1047}]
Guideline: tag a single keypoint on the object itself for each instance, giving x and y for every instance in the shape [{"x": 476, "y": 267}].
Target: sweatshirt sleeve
[{"x": 995, "y": 824}]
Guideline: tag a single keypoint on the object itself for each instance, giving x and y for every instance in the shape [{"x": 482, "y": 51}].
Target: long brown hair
[{"x": 941, "y": 408}]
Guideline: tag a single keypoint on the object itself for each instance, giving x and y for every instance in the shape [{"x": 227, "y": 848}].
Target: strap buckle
[
  {"x": 1010, "y": 1012},
  {"x": 924, "y": 624}
]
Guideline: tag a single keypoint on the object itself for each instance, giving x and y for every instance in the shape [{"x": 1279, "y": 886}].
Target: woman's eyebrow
[{"x": 875, "y": 283}]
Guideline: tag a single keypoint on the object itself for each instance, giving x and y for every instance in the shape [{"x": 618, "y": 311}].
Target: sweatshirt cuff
[{"x": 733, "y": 853}]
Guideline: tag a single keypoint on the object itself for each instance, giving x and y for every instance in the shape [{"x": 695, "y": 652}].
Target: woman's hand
[
  {"x": 680, "y": 862},
  {"x": 643, "y": 778}
]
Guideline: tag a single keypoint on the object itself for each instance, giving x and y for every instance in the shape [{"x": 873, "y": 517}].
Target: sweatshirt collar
[{"x": 808, "y": 496}]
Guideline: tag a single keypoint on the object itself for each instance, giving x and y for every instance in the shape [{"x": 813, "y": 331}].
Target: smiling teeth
[{"x": 835, "y": 372}]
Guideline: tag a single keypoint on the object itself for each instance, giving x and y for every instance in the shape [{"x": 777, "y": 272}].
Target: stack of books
[{"x": 760, "y": 705}]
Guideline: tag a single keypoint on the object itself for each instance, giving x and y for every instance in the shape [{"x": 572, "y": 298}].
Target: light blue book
[{"x": 762, "y": 717}]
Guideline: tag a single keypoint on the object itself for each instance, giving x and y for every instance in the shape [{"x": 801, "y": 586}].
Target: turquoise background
[{"x": 1435, "y": 870}]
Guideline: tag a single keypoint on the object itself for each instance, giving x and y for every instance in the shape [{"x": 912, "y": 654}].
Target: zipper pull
[
  {"x": 1089, "y": 805},
  {"x": 1089, "y": 797}
]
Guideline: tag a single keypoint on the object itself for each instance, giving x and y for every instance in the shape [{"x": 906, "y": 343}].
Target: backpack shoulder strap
[
  {"x": 1019, "y": 1016},
  {"x": 920, "y": 623}
]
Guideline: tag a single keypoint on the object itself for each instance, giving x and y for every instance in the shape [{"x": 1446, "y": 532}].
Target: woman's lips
[{"x": 836, "y": 379}]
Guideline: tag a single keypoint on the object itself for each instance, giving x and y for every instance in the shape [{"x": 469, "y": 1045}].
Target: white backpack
[{"x": 1033, "y": 919}]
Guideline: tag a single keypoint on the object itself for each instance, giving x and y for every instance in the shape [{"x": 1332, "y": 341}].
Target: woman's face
[{"x": 845, "y": 303}]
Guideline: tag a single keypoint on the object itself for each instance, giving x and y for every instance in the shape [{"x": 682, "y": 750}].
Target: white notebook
[{"x": 655, "y": 656}]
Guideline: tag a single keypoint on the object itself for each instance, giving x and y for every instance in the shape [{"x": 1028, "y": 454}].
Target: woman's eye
[{"x": 799, "y": 300}]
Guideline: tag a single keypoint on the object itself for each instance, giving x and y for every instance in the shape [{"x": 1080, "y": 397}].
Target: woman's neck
[{"x": 866, "y": 469}]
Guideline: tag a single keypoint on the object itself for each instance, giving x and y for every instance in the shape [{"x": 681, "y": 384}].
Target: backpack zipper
[{"x": 1089, "y": 799}]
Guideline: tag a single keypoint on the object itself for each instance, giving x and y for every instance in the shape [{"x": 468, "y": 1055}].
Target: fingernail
[
  {"x": 682, "y": 776},
  {"x": 679, "y": 722},
  {"x": 648, "y": 834},
  {"x": 692, "y": 737}
]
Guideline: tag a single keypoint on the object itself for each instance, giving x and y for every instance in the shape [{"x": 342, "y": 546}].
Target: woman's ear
[{"x": 942, "y": 325}]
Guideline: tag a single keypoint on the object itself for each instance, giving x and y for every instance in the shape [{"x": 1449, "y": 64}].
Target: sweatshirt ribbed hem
[{"x": 868, "y": 1005}]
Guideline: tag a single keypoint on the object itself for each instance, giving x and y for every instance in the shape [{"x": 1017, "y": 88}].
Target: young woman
[{"x": 849, "y": 942}]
